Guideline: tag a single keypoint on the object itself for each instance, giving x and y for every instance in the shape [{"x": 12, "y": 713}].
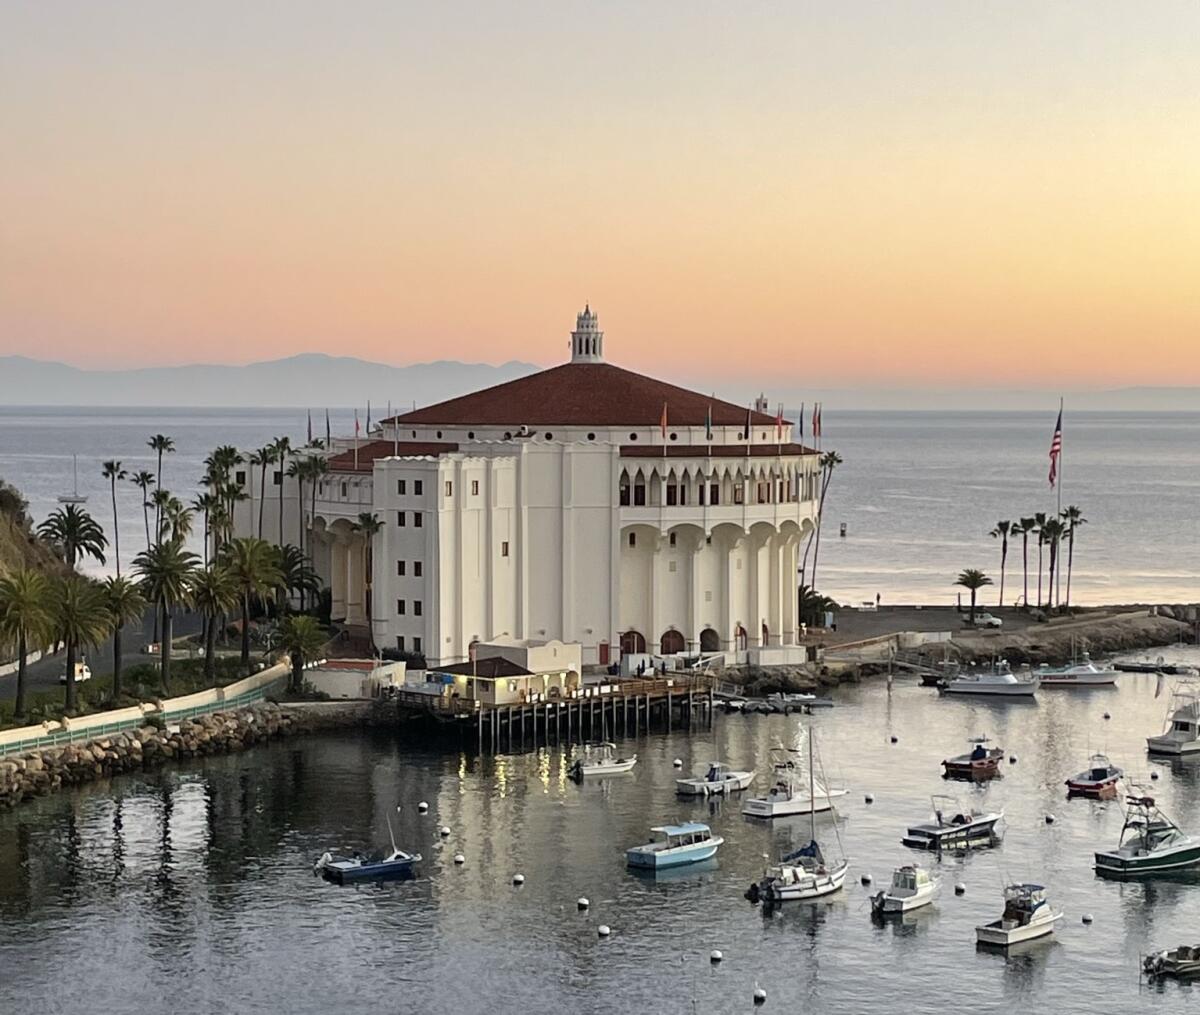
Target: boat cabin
[
  {"x": 909, "y": 878},
  {"x": 1020, "y": 904},
  {"x": 690, "y": 833}
]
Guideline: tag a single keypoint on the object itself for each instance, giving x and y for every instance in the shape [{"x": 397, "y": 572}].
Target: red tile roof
[
  {"x": 717, "y": 450},
  {"x": 583, "y": 394},
  {"x": 368, "y": 452},
  {"x": 489, "y": 668}
]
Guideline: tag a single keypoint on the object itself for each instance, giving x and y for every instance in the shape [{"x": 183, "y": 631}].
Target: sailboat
[
  {"x": 789, "y": 793},
  {"x": 74, "y": 497},
  {"x": 803, "y": 874}
]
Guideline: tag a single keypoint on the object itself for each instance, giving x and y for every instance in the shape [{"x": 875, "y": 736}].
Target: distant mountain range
[
  {"x": 317, "y": 380},
  {"x": 310, "y": 379}
]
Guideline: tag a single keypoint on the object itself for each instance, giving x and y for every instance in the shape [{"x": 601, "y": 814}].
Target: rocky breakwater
[{"x": 45, "y": 771}]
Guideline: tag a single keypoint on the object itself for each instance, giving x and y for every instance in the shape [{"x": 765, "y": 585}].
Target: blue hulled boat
[{"x": 681, "y": 844}]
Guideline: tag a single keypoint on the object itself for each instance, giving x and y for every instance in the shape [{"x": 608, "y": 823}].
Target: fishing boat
[
  {"x": 359, "y": 867},
  {"x": 600, "y": 759},
  {"x": 946, "y": 669},
  {"x": 1182, "y": 734},
  {"x": 999, "y": 681},
  {"x": 796, "y": 702},
  {"x": 1083, "y": 673},
  {"x": 912, "y": 887},
  {"x": 1099, "y": 779},
  {"x": 1182, "y": 962},
  {"x": 1158, "y": 665},
  {"x": 1027, "y": 915},
  {"x": 979, "y": 763},
  {"x": 719, "y": 778},
  {"x": 789, "y": 794},
  {"x": 803, "y": 874},
  {"x": 690, "y": 842},
  {"x": 954, "y": 827},
  {"x": 1150, "y": 843}
]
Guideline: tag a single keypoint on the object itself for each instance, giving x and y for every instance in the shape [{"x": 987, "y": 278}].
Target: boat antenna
[{"x": 391, "y": 834}]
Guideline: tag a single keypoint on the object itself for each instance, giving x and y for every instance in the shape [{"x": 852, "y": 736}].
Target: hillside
[{"x": 19, "y": 546}]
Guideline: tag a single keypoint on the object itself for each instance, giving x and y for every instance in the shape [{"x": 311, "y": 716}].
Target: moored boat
[
  {"x": 1100, "y": 778},
  {"x": 687, "y": 843},
  {"x": 359, "y": 867},
  {"x": 954, "y": 827},
  {"x": 1182, "y": 735},
  {"x": 912, "y": 887},
  {"x": 1027, "y": 915},
  {"x": 719, "y": 778},
  {"x": 1000, "y": 681},
  {"x": 1182, "y": 962},
  {"x": 1150, "y": 843},
  {"x": 601, "y": 759},
  {"x": 1084, "y": 673},
  {"x": 789, "y": 794},
  {"x": 979, "y": 763}
]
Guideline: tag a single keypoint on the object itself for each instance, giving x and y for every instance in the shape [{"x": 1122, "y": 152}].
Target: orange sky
[{"x": 899, "y": 193}]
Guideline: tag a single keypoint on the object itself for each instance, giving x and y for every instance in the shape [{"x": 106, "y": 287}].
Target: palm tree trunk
[
  {"x": 262, "y": 498},
  {"x": 246, "y": 632},
  {"x": 116, "y": 683},
  {"x": 146, "y": 517},
  {"x": 1025, "y": 564},
  {"x": 210, "y": 639},
  {"x": 297, "y": 671},
  {"x": 71, "y": 688},
  {"x": 282, "y": 480},
  {"x": 165, "y": 654},
  {"x": 19, "y": 707},
  {"x": 1040, "y": 545},
  {"x": 812, "y": 581},
  {"x": 973, "y": 606},
  {"x": 1003, "y": 562},
  {"x": 116, "y": 534},
  {"x": 1070, "y": 562},
  {"x": 157, "y": 508}
]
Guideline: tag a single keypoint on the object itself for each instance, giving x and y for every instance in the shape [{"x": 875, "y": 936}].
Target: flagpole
[{"x": 1058, "y": 516}]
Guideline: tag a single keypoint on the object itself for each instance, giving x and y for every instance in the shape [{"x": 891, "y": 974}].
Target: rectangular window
[
  {"x": 474, "y": 488},
  {"x": 400, "y": 642},
  {"x": 504, "y": 548},
  {"x": 739, "y": 494},
  {"x": 400, "y": 519},
  {"x": 672, "y": 566},
  {"x": 417, "y": 519},
  {"x": 343, "y": 489},
  {"x": 240, "y": 478},
  {"x": 449, "y": 489},
  {"x": 401, "y": 485},
  {"x": 417, "y": 645},
  {"x": 633, "y": 539},
  {"x": 701, "y": 495},
  {"x": 672, "y": 495},
  {"x": 400, "y": 607},
  {"x": 639, "y": 496},
  {"x": 683, "y": 493},
  {"x": 278, "y": 477},
  {"x": 417, "y": 566},
  {"x": 714, "y": 494},
  {"x": 671, "y": 539},
  {"x": 624, "y": 496},
  {"x": 399, "y": 569},
  {"x": 416, "y": 607},
  {"x": 418, "y": 487}
]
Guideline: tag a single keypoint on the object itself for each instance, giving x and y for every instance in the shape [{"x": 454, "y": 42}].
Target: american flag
[{"x": 1055, "y": 448}]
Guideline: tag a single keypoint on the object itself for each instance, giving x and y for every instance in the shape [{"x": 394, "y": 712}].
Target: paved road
[
  {"x": 855, "y": 625},
  {"x": 43, "y": 675}
]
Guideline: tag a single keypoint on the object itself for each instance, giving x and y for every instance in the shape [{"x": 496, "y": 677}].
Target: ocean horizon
[{"x": 918, "y": 491}]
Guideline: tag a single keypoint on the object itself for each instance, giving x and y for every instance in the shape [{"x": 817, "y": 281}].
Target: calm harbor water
[
  {"x": 194, "y": 883},
  {"x": 919, "y": 492}
]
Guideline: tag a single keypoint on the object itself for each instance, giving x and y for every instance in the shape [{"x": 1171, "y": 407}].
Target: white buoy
[
  {"x": 582, "y": 902},
  {"x": 603, "y": 930},
  {"x": 459, "y": 859},
  {"x": 960, "y": 889},
  {"x": 518, "y": 879},
  {"x": 866, "y": 879},
  {"x": 445, "y": 830},
  {"x": 397, "y": 808},
  {"x": 869, "y": 798},
  {"x": 1049, "y": 819},
  {"x": 1087, "y": 917},
  {"x": 422, "y": 807},
  {"x": 715, "y": 956},
  {"x": 677, "y": 763},
  {"x": 760, "y": 995},
  {"x": 1154, "y": 775}
]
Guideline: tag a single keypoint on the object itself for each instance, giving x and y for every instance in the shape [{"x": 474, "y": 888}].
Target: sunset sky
[{"x": 877, "y": 193}]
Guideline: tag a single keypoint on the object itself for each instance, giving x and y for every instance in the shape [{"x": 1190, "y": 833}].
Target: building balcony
[{"x": 707, "y": 516}]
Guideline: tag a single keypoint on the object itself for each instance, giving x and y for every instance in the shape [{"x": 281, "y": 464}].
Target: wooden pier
[{"x": 598, "y": 711}]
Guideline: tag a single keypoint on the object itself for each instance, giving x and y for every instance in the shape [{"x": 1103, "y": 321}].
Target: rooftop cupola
[{"x": 587, "y": 340}]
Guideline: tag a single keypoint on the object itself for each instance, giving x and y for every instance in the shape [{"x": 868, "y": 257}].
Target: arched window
[
  {"x": 710, "y": 641},
  {"x": 671, "y": 642},
  {"x": 633, "y": 643}
]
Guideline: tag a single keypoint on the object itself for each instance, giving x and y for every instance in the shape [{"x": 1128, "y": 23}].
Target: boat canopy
[{"x": 688, "y": 828}]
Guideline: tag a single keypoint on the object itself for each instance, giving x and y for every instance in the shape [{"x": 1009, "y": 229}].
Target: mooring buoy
[
  {"x": 603, "y": 930},
  {"x": 715, "y": 956},
  {"x": 960, "y": 889},
  {"x": 459, "y": 859},
  {"x": 582, "y": 902},
  {"x": 518, "y": 879}
]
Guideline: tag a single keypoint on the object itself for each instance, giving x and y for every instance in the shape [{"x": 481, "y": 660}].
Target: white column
[{"x": 337, "y": 578}]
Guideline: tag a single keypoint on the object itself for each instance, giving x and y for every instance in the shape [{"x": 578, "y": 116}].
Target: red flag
[
  {"x": 779, "y": 423},
  {"x": 1055, "y": 449},
  {"x": 816, "y": 419},
  {"x": 355, "y": 422},
  {"x": 664, "y": 421}
]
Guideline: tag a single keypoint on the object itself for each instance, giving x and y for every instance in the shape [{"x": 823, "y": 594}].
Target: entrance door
[
  {"x": 710, "y": 641},
  {"x": 671, "y": 642},
  {"x": 633, "y": 643}
]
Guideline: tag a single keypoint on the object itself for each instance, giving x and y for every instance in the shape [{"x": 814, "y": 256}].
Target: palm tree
[
  {"x": 75, "y": 533},
  {"x": 159, "y": 500},
  {"x": 177, "y": 519},
  {"x": 1039, "y": 526},
  {"x": 213, "y": 594},
  {"x": 974, "y": 580},
  {"x": 298, "y": 576},
  {"x": 112, "y": 471},
  {"x": 26, "y": 619},
  {"x": 1053, "y": 530},
  {"x": 282, "y": 446},
  {"x": 262, "y": 457},
  {"x": 161, "y": 444},
  {"x": 828, "y": 462},
  {"x": 1073, "y": 516},
  {"x": 370, "y": 526},
  {"x": 1025, "y": 526},
  {"x": 299, "y": 471},
  {"x": 80, "y": 618},
  {"x": 303, "y": 639},
  {"x": 1001, "y": 532},
  {"x": 206, "y": 504},
  {"x": 166, "y": 571},
  {"x": 253, "y": 565},
  {"x": 143, "y": 481},
  {"x": 126, "y": 604}
]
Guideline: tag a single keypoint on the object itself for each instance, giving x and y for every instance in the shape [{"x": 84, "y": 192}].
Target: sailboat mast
[{"x": 812, "y": 794}]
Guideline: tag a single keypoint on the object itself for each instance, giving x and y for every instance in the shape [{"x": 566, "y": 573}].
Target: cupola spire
[{"x": 587, "y": 340}]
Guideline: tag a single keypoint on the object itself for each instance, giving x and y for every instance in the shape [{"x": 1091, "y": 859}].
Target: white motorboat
[
  {"x": 1027, "y": 915},
  {"x": 1182, "y": 962},
  {"x": 803, "y": 874},
  {"x": 912, "y": 887},
  {"x": 789, "y": 794},
  {"x": 954, "y": 827},
  {"x": 601, "y": 759},
  {"x": 1182, "y": 735},
  {"x": 1151, "y": 843},
  {"x": 719, "y": 778},
  {"x": 691, "y": 842},
  {"x": 1084, "y": 673},
  {"x": 1000, "y": 681}
]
